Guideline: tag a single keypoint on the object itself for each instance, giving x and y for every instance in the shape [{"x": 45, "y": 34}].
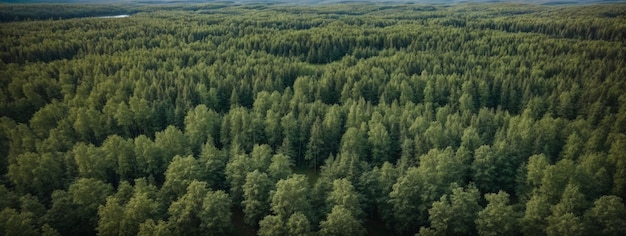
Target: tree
[
  {"x": 149, "y": 158},
  {"x": 215, "y": 214},
  {"x": 536, "y": 167},
  {"x": 31, "y": 204},
  {"x": 36, "y": 174},
  {"x": 119, "y": 152},
  {"x": 291, "y": 195},
  {"x": 201, "y": 125},
  {"x": 273, "y": 129},
  {"x": 413, "y": 193},
  {"x": 180, "y": 173},
  {"x": 171, "y": 142},
  {"x": 298, "y": 225},
  {"x": 272, "y": 225},
  {"x": 592, "y": 175},
  {"x": 151, "y": 228},
  {"x": 333, "y": 128},
  {"x": 340, "y": 221},
  {"x": 471, "y": 139},
  {"x": 280, "y": 168},
  {"x": 256, "y": 192},
  {"x": 556, "y": 179},
  {"x": 406, "y": 200},
  {"x": 353, "y": 142},
  {"x": 315, "y": 146},
  {"x": 14, "y": 223},
  {"x": 261, "y": 156},
  {"x": 380, "y": 143},
  {"x": 492, "y": 169},
  {"x": 91, "y": 162},
  {"x": 343, "y": 194},
  {"x": 606, "y": 217},
  {"x": 141, "y": 207},
  {"x": 534, "y": 220},
  {"x": 185, "y": 212},
  {"x": 565, "y": 218},
  {"x": 455, "y": 214},
  {"x": 86, "y": 196},
  {"x": 63, "y": 214},
  {"x": 109, "y": 217},
  {"x": 565, "y": 224},
  {"x": 617, "y": 158},
  {"x": 236, "y": 171},
  {"x": 498, "y": 217},
  {"x": 212, "y": 162}
]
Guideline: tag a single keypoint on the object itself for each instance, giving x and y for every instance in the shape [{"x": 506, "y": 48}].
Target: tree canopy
[{"x": 242, "y": 118}]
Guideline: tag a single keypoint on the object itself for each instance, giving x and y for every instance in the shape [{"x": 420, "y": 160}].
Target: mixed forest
[{"x": 350, "y": 119}]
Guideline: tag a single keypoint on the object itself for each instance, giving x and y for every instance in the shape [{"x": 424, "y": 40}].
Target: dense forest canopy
[{"x": 349, "y": 119}]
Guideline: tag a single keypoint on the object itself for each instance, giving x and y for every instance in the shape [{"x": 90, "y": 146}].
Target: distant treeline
[{"x": 21, "y": 12}]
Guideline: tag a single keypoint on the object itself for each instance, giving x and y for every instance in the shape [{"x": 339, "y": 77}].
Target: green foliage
[
  {"x": 340, "y": 221},
  {"x": 298, "y": 225},
  {"x": 498, "y": 217},
  {"x": 200, "y": 211},
  {"x": 14, "y": 223},
  {"x": 606, "y": 217},
  {"x": 272, "y": 225},
  {"x": 256, "y": 192},
  {"x": 291, "y": 195},
  {"x": 454, "y": 214},
  {"x": 179, "y": 174},
  {"x": 142, "y": 125}
]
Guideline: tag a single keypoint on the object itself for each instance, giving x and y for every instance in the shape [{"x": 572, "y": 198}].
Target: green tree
[
  {"x": 201, "y": 125},
  {"x": 498, "y": 217},
  {"x": 455, "y": 214},
  {"x": 617, "y": 158},
  {"x": 151, "y": 228},
  {"x": 36, "y": 174},
  {"x": 353, "y": 141},
  {"x": 109, "y": 217},
  {"x": 315, "y": 146},
  {"x": 380, "y": 143},
  {"x": 413, "y": 193},
  {"x": 86, "y": 196},
  {"x": 185, "y": 212},
  {"x": 236, "y": 170},
  {"x": 272, "y": 225},
  {"x": 291, "y": 195},
  {"x": 171, "y": 142},
  {"x": 606, "y": 217},
  {"x": 149, "y": 158},
  {"x": 91, "y": 162},
  {"x": 340, "y": 221},
  {"x": 280, "y": 168},
  {"x": 213, "y": 161},
  {"x": 31, "y": 204},
  {"x": 565, "y": 218},
  {"x": 215, "y": 213},
  {"x": 256, "y": 192},
  {"x": 119, "y": 152},
  {"x": 180, "y": 173},
  {"x": 140, "y": 208},
  {"x": 534, "y": 220},
  {"x": 343, "y": 194},
  {"x": 298, "y": 225},
  {"x": 14, "y": 223}
]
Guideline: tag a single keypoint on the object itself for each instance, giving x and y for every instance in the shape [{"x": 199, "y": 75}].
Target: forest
[{"x": 343, "y": 119}]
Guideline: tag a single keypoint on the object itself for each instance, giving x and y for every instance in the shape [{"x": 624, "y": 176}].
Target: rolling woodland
[{"x": 348, "y": 119}]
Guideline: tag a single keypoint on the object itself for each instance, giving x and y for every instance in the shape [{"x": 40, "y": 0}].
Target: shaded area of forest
[{"x": 471, "y": 119}]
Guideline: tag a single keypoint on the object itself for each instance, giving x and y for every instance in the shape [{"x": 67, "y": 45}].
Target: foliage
[{"x": 172, "y": 120}]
